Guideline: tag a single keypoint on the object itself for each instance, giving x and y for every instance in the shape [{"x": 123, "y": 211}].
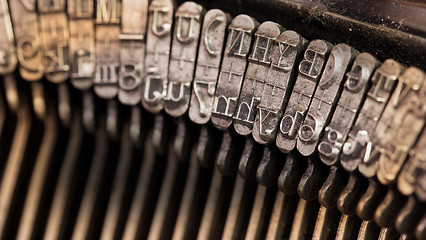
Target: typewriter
[{"x": 226, "y": 119}]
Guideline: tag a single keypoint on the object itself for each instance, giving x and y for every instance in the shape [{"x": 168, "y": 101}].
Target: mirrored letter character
[
  {"x": 347, "y": 108},
  {"x": 401, "y": 123},
  {"x": 256, "y": 76},
  {"x": 27, "y": 37},
  {"x": 279, "y": 82},
  {"x": 359, "y": 143},
  {"x": 157, "y": 55},
  {"x": 208, "y": 63},
  {"x": 310, "y": 69},
  {"x": 240, "y": 34},
  {"x": 188, "y": 19},
  {"x": 132, "y": 52}
]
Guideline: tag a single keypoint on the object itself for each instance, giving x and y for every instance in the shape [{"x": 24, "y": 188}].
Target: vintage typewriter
[{"x": 231, "y": 119}]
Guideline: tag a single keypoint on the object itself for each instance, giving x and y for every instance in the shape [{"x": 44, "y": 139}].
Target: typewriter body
[{"x": 231, "y": 119}]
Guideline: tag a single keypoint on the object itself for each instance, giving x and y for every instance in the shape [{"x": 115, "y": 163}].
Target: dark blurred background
[{"x": 387, "y": 28}]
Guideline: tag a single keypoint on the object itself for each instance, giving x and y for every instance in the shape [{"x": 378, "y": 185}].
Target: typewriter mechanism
[{"x": 227, "y": 119}]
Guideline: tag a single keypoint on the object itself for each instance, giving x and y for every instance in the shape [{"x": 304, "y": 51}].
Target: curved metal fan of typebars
[{"x": 140, "y": 119}]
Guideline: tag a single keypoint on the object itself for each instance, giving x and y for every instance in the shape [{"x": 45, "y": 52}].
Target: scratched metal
[
  {"x": 350, "y": 101},
  {"x": 157, "y": 56},
  {"x": 108, "y": 17},
  {"x": 382, "y": 80},
  {"x": 55, "y": 36},
  {"x": 240, "y": 34},
  {"x": 27, "y": 37},
  {"x": 279, "y": 82},
  {"x": 325, "y": 98},
  {"x": 310, "y": 69},
  {"x": 260, "y": 61},
  {"x": 401, "y": 123},
  {"x": 132, "y": 50},
  {"x": 413, "y": 175},
  {"x": 370, "y": 158},
  {"x": 188, "y": 20},
  {"x": 208, "y": 63},
  {"x": 81, "y": 43},
  {"x": 8, "y": 59}
]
